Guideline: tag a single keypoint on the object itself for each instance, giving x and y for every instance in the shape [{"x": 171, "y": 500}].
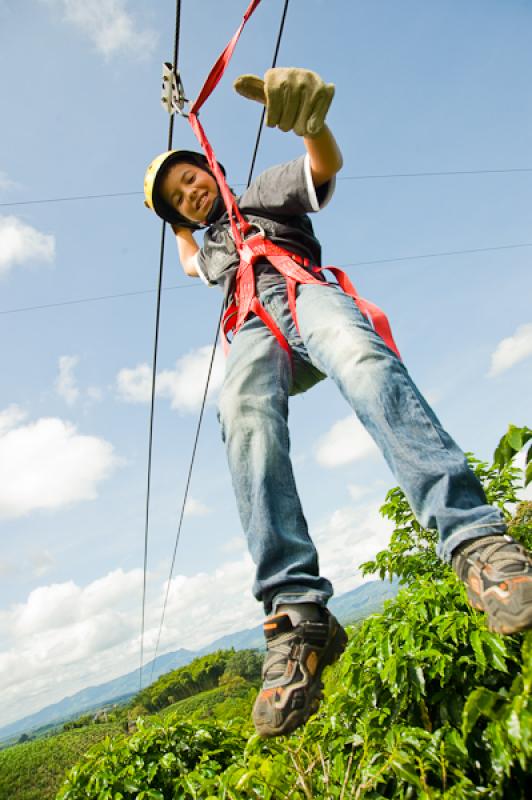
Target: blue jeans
[{"x": 337, "y": 341}]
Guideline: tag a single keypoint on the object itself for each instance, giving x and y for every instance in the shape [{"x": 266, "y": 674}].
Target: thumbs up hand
[{"x": 295, "y": 99}]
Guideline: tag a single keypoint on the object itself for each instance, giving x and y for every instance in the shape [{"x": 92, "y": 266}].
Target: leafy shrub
[
  {"x": 225, "y": 703},
  {"x": 174, "y": 760},
  {"x": 200, "y": 675},
  {"x": 426, "y": 703}
]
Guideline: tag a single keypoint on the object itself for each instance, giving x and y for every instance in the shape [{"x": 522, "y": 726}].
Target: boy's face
[{"x": 190, "y": 190}]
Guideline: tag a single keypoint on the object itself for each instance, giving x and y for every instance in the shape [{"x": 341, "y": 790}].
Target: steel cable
[
  {"x": 177, "y": 32},
  {"x": 213, "y": 354}
]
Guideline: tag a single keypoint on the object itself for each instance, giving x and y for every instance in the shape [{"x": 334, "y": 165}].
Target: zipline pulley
[{"x": 173, "y": 97}]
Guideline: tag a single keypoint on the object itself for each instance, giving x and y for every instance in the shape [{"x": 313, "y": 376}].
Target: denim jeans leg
[
  {"x": 253, "y": 411},
  {"x": 428, "y": 465}
]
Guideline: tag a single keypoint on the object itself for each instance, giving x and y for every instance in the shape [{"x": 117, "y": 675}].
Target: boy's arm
[
  {"x": 325, "y": 156},
  {"x": 298, "y": 100},
  {"x": 187, "y": 248}
]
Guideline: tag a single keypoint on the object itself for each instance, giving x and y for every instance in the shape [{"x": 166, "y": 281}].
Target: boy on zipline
[{"x": 295, "y": 334}]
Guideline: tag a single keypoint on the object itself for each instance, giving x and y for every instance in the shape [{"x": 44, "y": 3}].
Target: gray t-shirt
[{"x": 278, "y": 200}]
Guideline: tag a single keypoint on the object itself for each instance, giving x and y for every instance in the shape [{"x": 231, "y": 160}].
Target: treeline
[{"x": 202, "y": 674}]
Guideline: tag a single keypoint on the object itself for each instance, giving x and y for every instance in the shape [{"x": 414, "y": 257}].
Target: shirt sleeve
[
  {"x": 287, "y": 189},
  {"x": 201, "y": 268}
]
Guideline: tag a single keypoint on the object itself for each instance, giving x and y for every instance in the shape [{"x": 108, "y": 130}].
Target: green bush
[
  {"x": 426, "y": 703},
  {"x": 171, "y": 760}
]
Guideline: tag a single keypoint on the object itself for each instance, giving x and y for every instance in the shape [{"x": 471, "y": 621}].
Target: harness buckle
[
  {"x": 173, "y": 97},
  {"x": 259, "y": 232}
]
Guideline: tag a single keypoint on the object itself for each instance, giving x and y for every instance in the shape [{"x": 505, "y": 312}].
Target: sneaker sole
[{"x": 501, "y": 619}]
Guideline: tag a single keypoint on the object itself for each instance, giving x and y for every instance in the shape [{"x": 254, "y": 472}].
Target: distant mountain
[
  {"x": 366, "y": 599},
  {"x": 349, "y": 607},
  {"x": 96, "y": 696}
]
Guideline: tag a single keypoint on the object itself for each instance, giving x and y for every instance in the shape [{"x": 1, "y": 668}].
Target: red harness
[
  {"x": 256, "y": 246},
  {"x": 246, "y": 302}
]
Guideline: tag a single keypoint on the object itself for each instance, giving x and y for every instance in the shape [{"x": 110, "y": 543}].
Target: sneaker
[
  {"x": 497, "y": 572},
  {"x": 296, "y": 658}
]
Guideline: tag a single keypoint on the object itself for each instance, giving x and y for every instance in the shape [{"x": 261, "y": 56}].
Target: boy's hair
[{"x": 152, "y": 183}]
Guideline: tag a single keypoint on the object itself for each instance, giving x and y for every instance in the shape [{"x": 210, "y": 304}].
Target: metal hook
[{"x": 173, "y": 96}]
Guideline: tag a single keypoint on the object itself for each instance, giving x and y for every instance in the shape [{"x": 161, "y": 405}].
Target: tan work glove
[{"x": 295, "y": 99}]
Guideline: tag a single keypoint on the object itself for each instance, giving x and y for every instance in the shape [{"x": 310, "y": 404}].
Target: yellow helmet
[{"x": 152, "y": 195}]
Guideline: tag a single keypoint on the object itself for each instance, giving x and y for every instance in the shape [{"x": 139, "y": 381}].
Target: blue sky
[{"x": 421, "y": 87}]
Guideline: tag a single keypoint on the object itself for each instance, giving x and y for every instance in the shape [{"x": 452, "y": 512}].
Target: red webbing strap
[
  {"x": 208, "y": 87},
  {"x": 252, "y": 249},
  {"x": 244, "y": 291},
  {"x": 225, "y": 191},
  {"x": 258, "y": 309},
  {"x": 284, "y": 262},
  {"x": 229, "y": 322},
  {"x": 215, "y": 75},
  {"x": 375, "y": 314}
]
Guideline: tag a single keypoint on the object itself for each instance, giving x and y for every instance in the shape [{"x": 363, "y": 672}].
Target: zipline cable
[
  {"x": 177, "y": 31},
  {"x": 209, "y": 373},
  {"x": 388, "y": 260},
  {"x": 263, "y": 113},
  {"x": 376, "y": 176}
]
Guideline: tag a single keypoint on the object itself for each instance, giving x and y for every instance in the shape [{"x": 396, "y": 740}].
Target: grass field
[{"x": 35, "y": 770}]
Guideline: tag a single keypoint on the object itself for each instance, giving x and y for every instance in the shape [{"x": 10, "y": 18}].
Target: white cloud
[
  {"x": 358, "y": 492},
  {"x": 347, "y": 538},
  {"x": 20, "y": 243},
  {"x": 59, "y": 605},
  {"x": 512, "y": 350},
  {"x": 194, "y": 508},
  {"x": 66, "y": 382},
  {"x": 205, "y": 606},
  {"x": 65, "y": 637},
  {"x": 183, "y": 386},
  {"x": 10, "y": 417},
  {"x": 346, "y": 441},
  {"x": 236, "y": 544},
  {"x": 134, "y": 385},
  {"x": 67, "y": 387},
  {"x": 109, "y": 25},
  {"x": 186, "y": 383},
  {"x": 5, "y": 182},
  {"x": 94, "y": 393},
  {"x": 42, "y": 562},
  {"x": 47, "y": 464}
]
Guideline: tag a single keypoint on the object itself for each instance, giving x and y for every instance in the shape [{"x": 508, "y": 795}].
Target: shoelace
[
  {"x": 278, "y": 653},
  {"x": 503, "y": 555}
]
